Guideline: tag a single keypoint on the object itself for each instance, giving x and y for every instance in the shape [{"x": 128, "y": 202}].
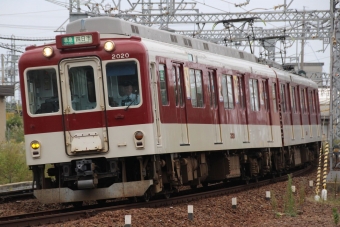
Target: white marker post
[
  {"x": 293, "y": 188},
  {"x": 234, "y": 202},
  {"x": 190, "y": 212},
  {"x": 267, "y": 195},
  {"x": 127, "y": 221},
  {"x": 311, "y": 183}
]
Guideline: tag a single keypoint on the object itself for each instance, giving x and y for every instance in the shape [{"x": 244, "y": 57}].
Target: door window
[{"x": 82, "y": 87}]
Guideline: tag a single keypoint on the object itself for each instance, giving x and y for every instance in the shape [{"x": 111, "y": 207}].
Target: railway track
[
  {"x": 21, "y": 190},
  {"x": 64, "y": 215}
]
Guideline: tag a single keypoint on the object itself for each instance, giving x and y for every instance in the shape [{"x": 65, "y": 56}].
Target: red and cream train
[{"x": 205, "y": 113}]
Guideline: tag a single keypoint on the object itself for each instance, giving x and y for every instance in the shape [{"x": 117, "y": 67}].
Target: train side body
[{"x": 199, "y": 113}]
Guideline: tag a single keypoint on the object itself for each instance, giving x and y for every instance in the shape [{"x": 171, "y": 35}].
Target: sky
[{"x": 34, "y": 19}]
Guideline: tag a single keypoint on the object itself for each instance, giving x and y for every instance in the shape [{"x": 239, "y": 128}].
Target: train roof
[{"x": 110, "y": 25}]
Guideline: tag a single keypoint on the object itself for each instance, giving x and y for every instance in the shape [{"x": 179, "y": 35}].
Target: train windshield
[
  {"x": 122, "y": 83},
  {"x": 42, "y": 91}
]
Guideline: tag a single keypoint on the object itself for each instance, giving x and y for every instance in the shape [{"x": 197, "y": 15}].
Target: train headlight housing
[
  {"x": 139, "y": 139},
  {"x": 48, "y": 51},
  {"x": 109, "y": 46},
  {"x": 35, "y": 149}
]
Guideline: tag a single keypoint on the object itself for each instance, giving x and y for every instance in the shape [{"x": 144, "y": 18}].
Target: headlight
[
  {"x": 35, "y": 149},
  {"x": 48, "y": 51},
  {"x": 109, "y": 45}
]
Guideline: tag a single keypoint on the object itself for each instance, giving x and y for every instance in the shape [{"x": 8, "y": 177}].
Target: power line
[{"x": 26, "y": 38}]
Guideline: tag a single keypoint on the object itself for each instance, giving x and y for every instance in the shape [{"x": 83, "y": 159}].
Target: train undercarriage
[{"x": 144, "y": 176}]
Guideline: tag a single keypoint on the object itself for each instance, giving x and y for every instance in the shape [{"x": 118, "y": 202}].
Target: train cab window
[
  {"x": 82, "y": 87},
  {"x": 293, "y": 99},
  {"x": 274, "y": 97},
  {"x": 163, "y": 84},
  {"x": 283, "y": 98},
  {"x": 254, "y": 94},
  {"x": 227, "y": 91},
  {"x": 42, "y": 91},
  {"x": 122, "y": 83},
  {"x": 196, "y": 88}
]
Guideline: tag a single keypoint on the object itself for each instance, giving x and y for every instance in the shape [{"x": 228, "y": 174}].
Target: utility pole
[
  {"x": 2, "y": 69},
  {"x": 303, "y": 40}
]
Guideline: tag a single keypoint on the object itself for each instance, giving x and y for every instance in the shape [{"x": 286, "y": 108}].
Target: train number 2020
[{"x": 121, "y": 55}]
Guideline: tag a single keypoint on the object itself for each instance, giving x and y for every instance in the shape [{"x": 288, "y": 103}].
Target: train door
[
  {"x": 155, "y": 103},
  {"x": 181, "y": 111},
  {"x": 265, "y": 94},
  {"x": 83, "y": 106},
  {"x": 213, "y": 88}
]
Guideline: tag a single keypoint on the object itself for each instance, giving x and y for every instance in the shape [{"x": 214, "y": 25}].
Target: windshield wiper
[{"x": 131, "y": 102}]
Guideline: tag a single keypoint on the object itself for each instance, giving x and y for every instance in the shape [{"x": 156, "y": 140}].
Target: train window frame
[
  {"x": 196, "y": 88},
  {"x": 163, "y": 84},
  {"x": 227, "y": 90},
  {"x": 54, "y": 101},
  {"x": 254, "y": 94},
  {"x": 116, "y": 100},
  {"x": 177, "y": 74}
]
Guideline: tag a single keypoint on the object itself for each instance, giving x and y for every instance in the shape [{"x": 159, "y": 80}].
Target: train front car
[{"x": 88, "y": 117}]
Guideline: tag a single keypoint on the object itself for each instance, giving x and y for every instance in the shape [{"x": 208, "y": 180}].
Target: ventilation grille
[
  {"x": 173, "y": 38},
  {"x": 206, "y": 46},
  {"x": 134, "y": 29}
]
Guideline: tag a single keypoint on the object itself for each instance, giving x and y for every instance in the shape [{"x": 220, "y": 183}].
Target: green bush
[
  {"x": 15, "y": 131},
  {"x": 289, "y": 204},
  {"x": 13, "y": 164}
]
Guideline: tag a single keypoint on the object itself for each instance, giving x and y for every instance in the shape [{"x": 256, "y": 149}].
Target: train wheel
[
  {"x": 167, "y": 195},
  {"x": 205, "y": 184},
  {"x": 193, "y": 186},
  {"x": 147, "y": 196},
  {"x": 77, "y": 204},
  {"x": 101, "y": 201}
]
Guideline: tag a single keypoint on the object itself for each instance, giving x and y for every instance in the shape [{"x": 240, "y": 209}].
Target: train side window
[
  {"x": 265, "y": 94},
  {"x": 176, "y": 77},
  {"x": 239, "y": 82},
  {"x": 122, "y": 83},
  {"x": 283, "y": 97},
  {"x": 163, "y": 84},
  {"x": 227, "y": 91},
  {"x": 313, "y": 97},
  {"x": 196, "y": 88},
  {"x": 274, "y": 97},
  {"x": 211, "y": 89},
  {"x": 254, "y": 94},
  {"x": 303, "y": 100},
  {"x": 293, "y": 99},
  {"x": 311, "y": 102},
  {"x": 42, "y": 91}
]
